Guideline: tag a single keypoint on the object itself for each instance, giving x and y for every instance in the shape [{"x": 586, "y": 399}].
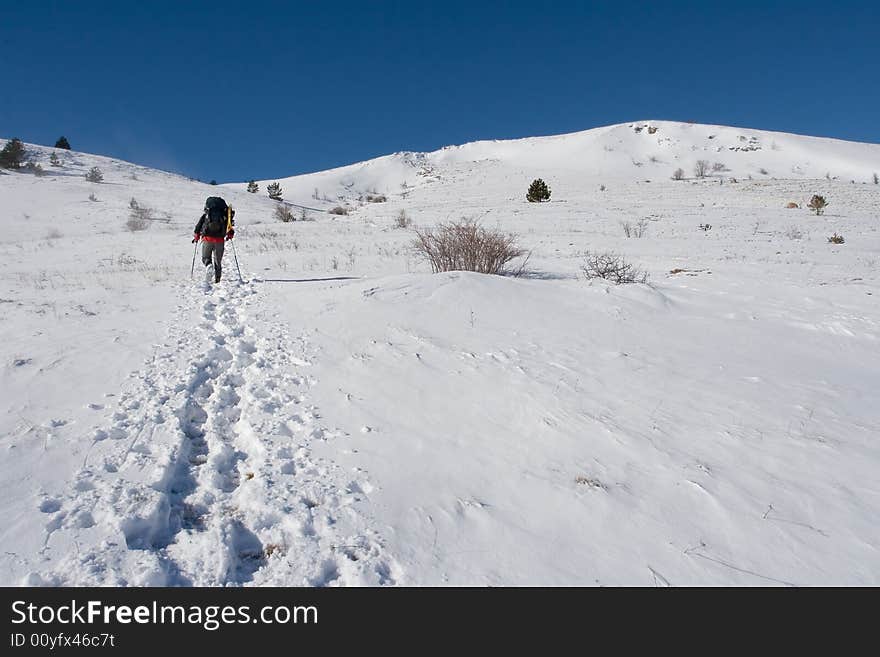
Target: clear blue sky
[{"x": 251, "y": 89}]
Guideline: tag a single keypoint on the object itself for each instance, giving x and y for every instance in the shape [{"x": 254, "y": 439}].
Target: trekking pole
[
  {"x": 193, "y": 268},
  {"x": 234, "y": 255}
]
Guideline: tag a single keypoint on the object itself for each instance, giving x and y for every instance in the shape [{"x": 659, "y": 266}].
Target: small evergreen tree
[
  {"x": 54, "y": 160},
  {"x": 62, "y": 143},
  {"x": 13, "y": 154},
  {"x": 817, "y": 204},
  {"x": 538, "y": 192},
  {"x": 253, "y": 187},
  {"x": 274, "y": 190},
  {"x": 876, "y": 179},
  {"x": 213, "y": 182},
  {"x": 94, "y": 175}
]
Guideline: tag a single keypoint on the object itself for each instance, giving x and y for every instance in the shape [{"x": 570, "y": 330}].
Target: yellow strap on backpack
[{"x": 228, "y": 218}]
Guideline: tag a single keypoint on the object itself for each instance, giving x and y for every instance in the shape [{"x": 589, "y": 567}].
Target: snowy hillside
[
  {"x": 644, "y": 150},
  {"x": 345, "y": 417}
]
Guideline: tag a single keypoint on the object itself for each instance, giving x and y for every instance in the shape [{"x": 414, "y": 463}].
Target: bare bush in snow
[
  {"x": 637, "y": 229},
  {"x": 612, "y": 267},
  {"x": 338, "y": 210},
  {"x": 701, "y": 168},
  {"x": 402, "y": 220},
  {"x": 467, "y": 246},
  {"x": 794, "y": 233},
  {"x": 140, "y": 216},
  {"x": 817, "y": 204},
  {"x": 35, "y": 168},
  {"x": 678, "y": 174},
  {"x": 284, "y": 214}
]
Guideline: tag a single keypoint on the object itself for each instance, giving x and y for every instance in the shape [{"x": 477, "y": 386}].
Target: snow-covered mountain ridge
[{"x": 643, "y": 150}]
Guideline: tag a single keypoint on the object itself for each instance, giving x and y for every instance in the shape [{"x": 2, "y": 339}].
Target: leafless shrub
[
  {"x": 836, "y": 239},
  {"x": 794, "y": 233},
  {"x": 53, "y": 234},
  {"x": 612, "y": 267},
  {"x": 283, "y": 213},
  {"x": 678, "y": 174},
  {"x": 338, "y": 210},
  {"x": 467, "y": 246},
  {"x": 93, "y": 198},
  {"x": 817, "y": 204},
  {"x": 140, "y": 216},
  {"x": 136, "y": 222},
  {"x": 376, "y": 198},
  {"x": 876, "y": 179},
  {"x": 35, "y": 168},
  {"x": 701, "y": 168},
  {"x": 402, "y": 220},
  {"x": 718, "y": 167},
  {"x": 763, "y": 171},
  {"x": 635, "y": 230}
]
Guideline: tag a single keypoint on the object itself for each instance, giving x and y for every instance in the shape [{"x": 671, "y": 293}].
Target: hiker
[{"x": 214, "y": 227}]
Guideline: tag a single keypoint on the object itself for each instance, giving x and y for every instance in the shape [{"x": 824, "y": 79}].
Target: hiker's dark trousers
[{"x": 213, "y": 250}]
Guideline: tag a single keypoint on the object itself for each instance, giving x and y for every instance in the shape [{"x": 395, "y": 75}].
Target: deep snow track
[{"x": 204, "y": 474}]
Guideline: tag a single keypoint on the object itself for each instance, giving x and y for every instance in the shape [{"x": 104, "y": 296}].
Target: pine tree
[
  {"x": 274, "y": 190},
  {"x": 253, "y": 187},
  {"x": 54, "y": 160},
  {"x": 13, "y": 154},
  {"x": 62, "y": 143},
  {"x": 94, "y": 175},
  {"x": 538, "y": 191}
]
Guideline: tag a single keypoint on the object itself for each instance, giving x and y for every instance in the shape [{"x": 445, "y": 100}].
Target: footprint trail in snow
[{"x": 205, "y": 474}]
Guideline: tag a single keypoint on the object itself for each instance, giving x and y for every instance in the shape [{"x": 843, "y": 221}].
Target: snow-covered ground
[{"x": 344, "y": 417}]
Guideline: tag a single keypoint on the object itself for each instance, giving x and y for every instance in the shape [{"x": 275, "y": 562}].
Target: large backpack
[{"x": 215, "y": 216}]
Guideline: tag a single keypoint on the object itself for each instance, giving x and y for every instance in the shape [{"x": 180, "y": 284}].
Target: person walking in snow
[{"x": 214, "y": 227}]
